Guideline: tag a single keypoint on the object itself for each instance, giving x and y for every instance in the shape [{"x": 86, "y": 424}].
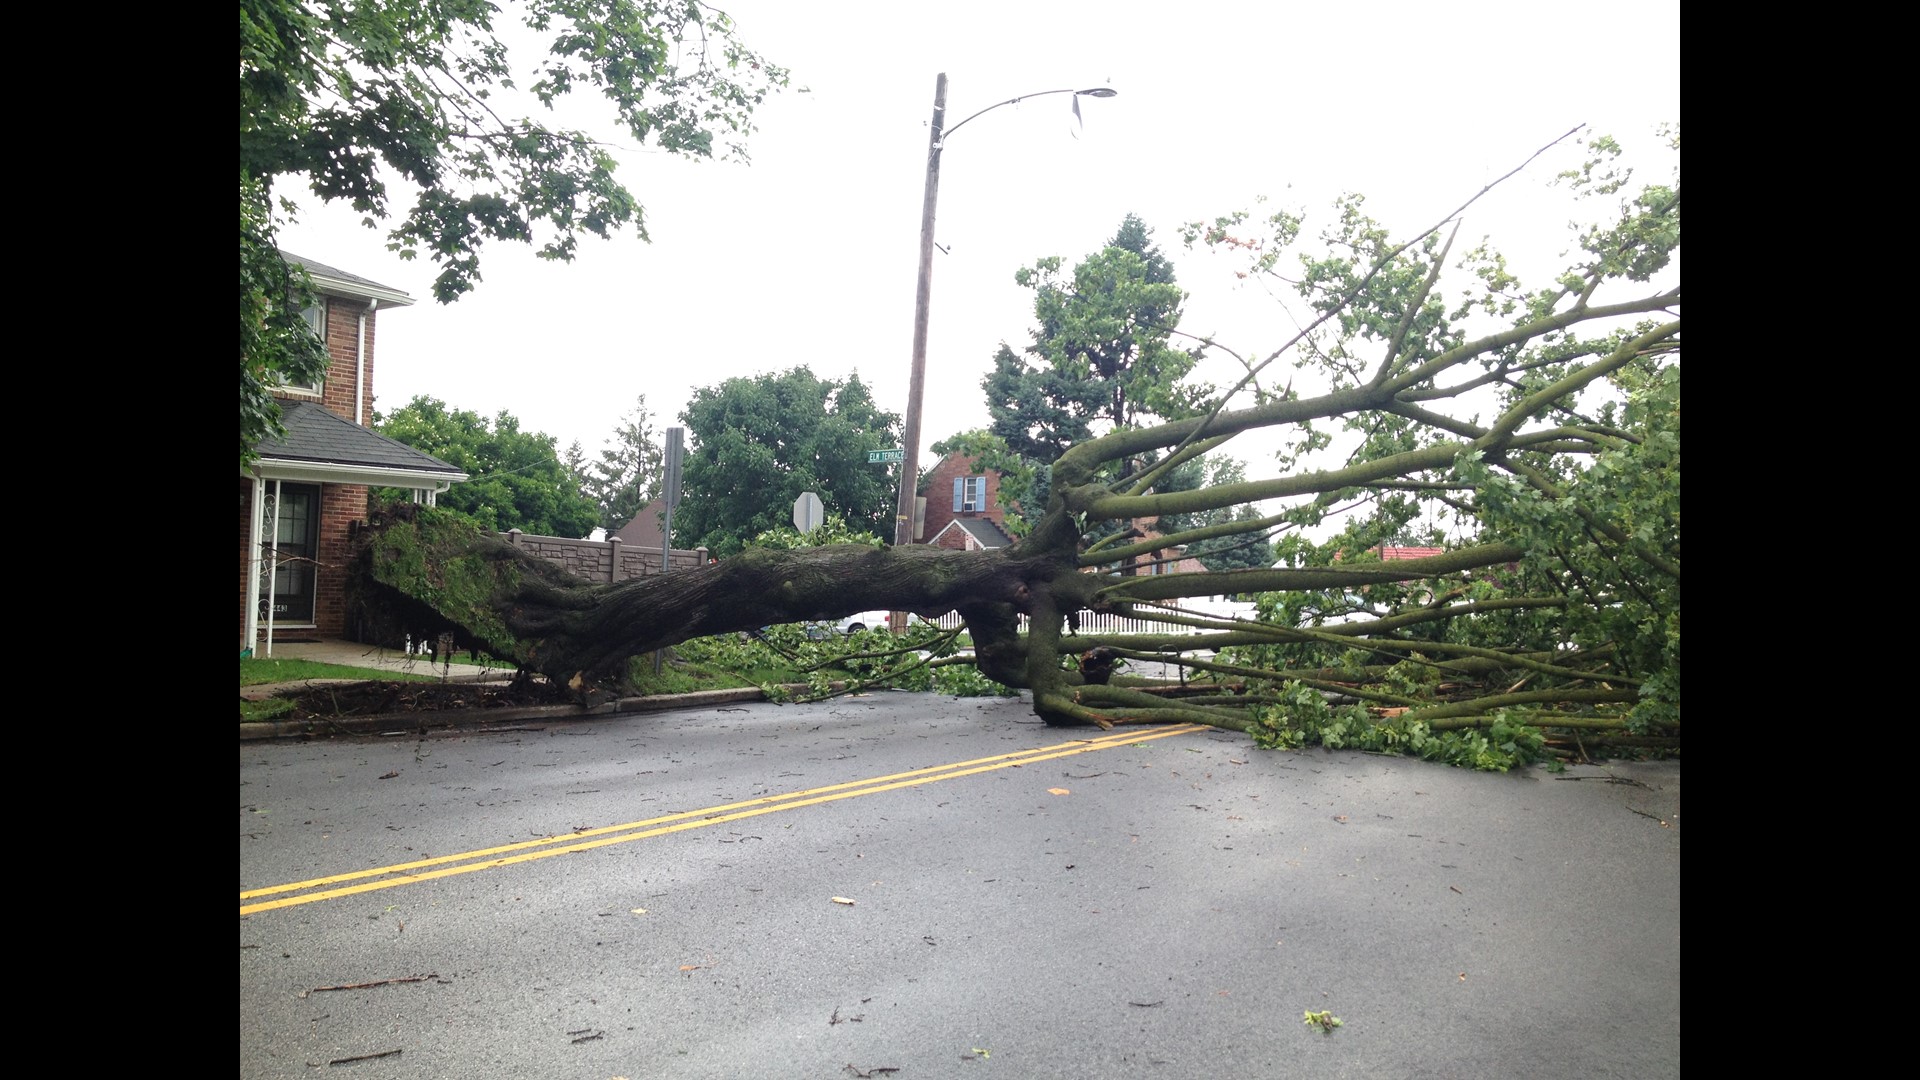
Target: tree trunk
[{"x": 420, "y": 572}]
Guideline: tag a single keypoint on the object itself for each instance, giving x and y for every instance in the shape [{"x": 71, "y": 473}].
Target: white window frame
[{"x": 972, "y": 491}]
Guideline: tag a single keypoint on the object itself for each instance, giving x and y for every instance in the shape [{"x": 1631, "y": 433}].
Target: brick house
[
  {"x": 1389, "y": 554},
  {"x": 963, "y": 506},
  {"x": 304, "y": 493}
]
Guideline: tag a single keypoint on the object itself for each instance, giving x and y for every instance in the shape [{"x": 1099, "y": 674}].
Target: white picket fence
[{"x": 1101, "y": 623}]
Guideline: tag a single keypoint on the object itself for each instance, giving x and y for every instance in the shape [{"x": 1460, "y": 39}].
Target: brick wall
[
  {"x": 340, "y": 506},
  {"x": 343, "y": 344},
  {"x": 608, "y": 560}
]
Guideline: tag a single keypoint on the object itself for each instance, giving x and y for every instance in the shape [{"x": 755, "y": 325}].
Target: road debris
[
  {"x": 363, "y": 1057},
  {"x": 365, "y": 985}
]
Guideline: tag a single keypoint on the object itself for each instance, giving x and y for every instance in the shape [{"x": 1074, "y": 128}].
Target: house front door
[{"x": 299, "y": 548}]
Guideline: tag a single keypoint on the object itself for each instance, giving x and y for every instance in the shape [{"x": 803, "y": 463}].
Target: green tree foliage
[
  {"x": 758, "y": 443},
  {"x": 276, "y": 345},
  {"x": 630, "y": 471},
  {"x": 517, "y": 478},
  {"x": 347, "y": 97},
  {"x": 1235, "y": 548},
  {"x": 1100, "y": 350},
  {"x": 1587, "y": 502},
  {"x": 833, "y": 530}
]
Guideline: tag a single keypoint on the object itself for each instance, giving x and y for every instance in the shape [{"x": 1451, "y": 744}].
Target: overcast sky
[{"x": 808, "y": 255}]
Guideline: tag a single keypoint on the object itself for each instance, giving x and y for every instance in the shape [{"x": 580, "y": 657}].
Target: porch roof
[{"x": 321, "y": 446}]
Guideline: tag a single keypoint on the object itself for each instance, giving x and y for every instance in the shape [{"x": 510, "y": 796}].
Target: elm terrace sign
[{"x": 878, "y": 457}]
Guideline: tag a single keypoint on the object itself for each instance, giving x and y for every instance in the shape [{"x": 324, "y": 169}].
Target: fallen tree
[{"x": 1534, "y": 434}]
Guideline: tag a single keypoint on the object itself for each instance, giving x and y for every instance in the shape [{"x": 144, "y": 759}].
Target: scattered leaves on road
[
  {"x": 842, "y": 900},
  {"x": 1058, "y": 791}
]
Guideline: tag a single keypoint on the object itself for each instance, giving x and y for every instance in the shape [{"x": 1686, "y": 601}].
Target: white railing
[{"x": 1106, "y": 623}]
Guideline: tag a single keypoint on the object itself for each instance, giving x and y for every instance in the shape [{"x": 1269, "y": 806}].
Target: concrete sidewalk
[{"x": 353, "y": 654}]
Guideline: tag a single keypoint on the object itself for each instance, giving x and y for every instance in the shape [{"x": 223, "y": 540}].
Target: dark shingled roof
[
  {"x": 356, "y": 283},
  {"x": 985, "y": 531},
  {"x": 317, "y": 436}
]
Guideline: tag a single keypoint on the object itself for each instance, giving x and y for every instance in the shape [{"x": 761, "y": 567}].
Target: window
[
  {"x": 316, "y": 316},
  {"x": 969, "y": 494}
]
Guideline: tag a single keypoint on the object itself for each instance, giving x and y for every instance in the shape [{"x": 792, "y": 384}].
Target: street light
[{"x": 909, "y": 468}]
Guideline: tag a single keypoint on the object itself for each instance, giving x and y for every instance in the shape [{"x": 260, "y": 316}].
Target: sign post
[{"x": 676, "y": 450}]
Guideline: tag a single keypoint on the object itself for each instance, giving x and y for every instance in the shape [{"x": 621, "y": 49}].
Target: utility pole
[{"x": 923, "y": 301}]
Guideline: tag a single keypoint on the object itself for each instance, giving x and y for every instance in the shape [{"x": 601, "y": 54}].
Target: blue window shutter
[{"x": 958, "y": 485}]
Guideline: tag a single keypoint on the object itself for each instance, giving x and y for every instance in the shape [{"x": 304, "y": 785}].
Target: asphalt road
[{"x": 656, "y": 897}]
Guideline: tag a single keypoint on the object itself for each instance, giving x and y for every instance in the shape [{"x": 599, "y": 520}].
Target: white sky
[{"x": 808, "y": 255}]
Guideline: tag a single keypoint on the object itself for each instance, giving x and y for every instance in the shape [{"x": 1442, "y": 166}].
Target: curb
[
  {"x": 409, "y": 723},
  {"x": 263, "y": 691}
]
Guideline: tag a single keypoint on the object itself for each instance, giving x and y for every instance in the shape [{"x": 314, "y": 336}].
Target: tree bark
[{"x": 421, "y": 573}]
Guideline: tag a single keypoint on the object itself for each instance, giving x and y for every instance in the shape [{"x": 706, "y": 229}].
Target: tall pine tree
[{"x": 1100, "y": 357}]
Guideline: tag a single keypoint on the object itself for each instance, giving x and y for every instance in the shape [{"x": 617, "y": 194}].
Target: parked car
[
  {"x": 864, "y": 620},
  {"x": 854, "y": 623}
]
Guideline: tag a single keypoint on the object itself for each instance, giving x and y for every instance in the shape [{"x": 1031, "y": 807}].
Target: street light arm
[{"x": 1098, "y": 91}]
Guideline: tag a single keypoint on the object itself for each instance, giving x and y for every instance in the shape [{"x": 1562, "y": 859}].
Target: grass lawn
[
  {"x": 674, "y": 678},
  {"x": 680, "y": 676},
  {"x": 256, "y": 671}
]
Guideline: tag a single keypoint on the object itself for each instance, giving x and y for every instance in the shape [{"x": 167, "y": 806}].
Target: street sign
[
  {"x": 879, "y": 457},
  {"x": 807, "y": 512}
]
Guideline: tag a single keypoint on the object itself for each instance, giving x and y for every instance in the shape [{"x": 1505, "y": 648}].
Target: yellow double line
[{"x": 386, "y": 877}]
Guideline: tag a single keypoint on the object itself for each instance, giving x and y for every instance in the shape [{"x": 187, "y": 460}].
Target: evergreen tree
[
  {"x": 1100, "y": 356},
  {"x": 630, "y": 471}
]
